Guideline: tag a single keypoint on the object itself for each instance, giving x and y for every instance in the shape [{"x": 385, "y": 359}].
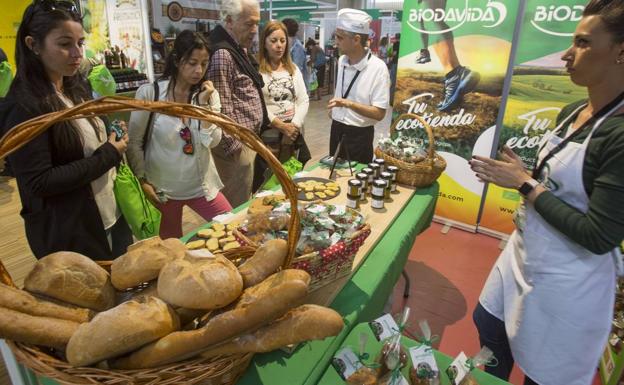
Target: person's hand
[
  {"x": 150, "y": 193},
  {"x": 120, "y": 145},
  {"x": 207, "y": 88},
  {"x": 291, "y": 131},
  {"x": 509, "y": 172},
  {"x": 339, "y": 102}
]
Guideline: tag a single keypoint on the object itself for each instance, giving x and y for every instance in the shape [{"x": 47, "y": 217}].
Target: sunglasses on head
[
  {"x": 61, "y": 5},
  {"x": 186, "y": 136}
]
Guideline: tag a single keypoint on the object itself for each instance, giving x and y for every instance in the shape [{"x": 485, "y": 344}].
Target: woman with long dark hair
[
  {"x": 171, "y": 156},
  {"x": 65, "y": 175},
  {"x": 548, "y": 302}
]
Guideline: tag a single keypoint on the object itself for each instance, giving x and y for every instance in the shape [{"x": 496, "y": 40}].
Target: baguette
[
  {"x": 257, "y": 306},
  {"x": 24, "y": 302},
  {"x": 266, "y": 260},
  {"x": 44, "y": 331},
  {"x": 305, "y": 323}
]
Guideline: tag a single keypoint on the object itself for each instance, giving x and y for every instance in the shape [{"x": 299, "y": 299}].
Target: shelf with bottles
[{"x": 128, "y": 79}]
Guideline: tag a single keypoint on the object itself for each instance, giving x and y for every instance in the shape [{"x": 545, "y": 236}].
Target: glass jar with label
[
  {"x": 394, "y": 170},
  {"x": 363, "y": 178},
  {"x": 353, "y": 201},
  {"x": 355, "y": 188},
  {"x": 381, "y": 163},
  {"x": 371, "y": 176},
  {"x": 376, "y": 169},
  {"x": 386, "y": 176},
  {"x": 378, "y": 194}
]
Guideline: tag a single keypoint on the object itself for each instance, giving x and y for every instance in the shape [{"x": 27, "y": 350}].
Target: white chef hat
[{"x": 354, "y": 20}]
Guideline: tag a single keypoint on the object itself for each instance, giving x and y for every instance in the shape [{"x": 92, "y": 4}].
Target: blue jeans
[{"x": 493, "y": 335}]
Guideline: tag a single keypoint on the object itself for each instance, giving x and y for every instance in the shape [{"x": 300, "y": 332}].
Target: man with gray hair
[{"x": 235, "y": 76}]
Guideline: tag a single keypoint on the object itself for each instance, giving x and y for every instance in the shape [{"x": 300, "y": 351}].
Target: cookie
[
  {"x": 194, "y": 245},
  {"x": 320, "y": 194},
  {"x": 308, "y": 189},
  {"x": 330, "y": 193},
  {"x": 309, "y": 196},
  {"x": 218, "y": 234},
  {"x": 226, "y": 240},
  {"x": 212, "y": 244},
  {"x": 205, "y": 233},
  {"x": 218, "y": 226},
  {"x": 230, "y": 246}
]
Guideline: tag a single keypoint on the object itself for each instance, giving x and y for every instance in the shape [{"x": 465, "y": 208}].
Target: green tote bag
[{"x": 140, "y": 213}]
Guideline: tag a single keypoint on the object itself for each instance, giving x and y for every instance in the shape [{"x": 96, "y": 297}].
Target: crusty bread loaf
[
  {"x": 120, "y": 330},
  {"x": 147, "y": 242},
  {"x": 73, "y": 278},
  {"x": 200, "y": 281},
  {"x": 257, "y": 306},
  {"x": 305, "y": 323},
  {"x": 266, "y": 260},
  {"x": 24, "y": 302},
  {"x": 44, "y": 331},
  {"x": 144, "y": 262}
]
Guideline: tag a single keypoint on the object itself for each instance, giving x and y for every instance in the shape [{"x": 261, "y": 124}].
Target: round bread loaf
[
  {"x": 200, "y": 281},
  {"x": 143, "y": 262},
  {"x": 72, "y": 278},
  {"x": 120, "y": 330}
]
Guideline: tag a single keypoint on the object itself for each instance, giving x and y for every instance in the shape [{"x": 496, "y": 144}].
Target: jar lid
[
  {"x": 379, "y": 183},
  {"x": 361, "y": 175},
  {"x": 386, "y": 175},
  {"x": 392, "y": 168},
  {"x": 367, "y": 170},
  {"x": 379, "y": 161},
  {"x": 355, "y": 182},
  {"x": 373, "y": 165}
]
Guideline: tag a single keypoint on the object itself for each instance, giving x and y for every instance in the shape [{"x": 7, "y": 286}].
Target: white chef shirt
[{"x": 371, "y": 88}]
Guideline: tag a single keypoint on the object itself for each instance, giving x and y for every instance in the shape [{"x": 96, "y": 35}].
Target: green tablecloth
[
  {"x": 362, "y": 299},
  {"x": 373, "y": 347}
]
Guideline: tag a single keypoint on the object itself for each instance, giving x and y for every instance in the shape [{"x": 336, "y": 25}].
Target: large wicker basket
[
  {"x": 212, "y": 371},
  {"x": 420, "y": 174}
]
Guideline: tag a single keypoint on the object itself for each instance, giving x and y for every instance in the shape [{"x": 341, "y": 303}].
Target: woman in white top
[
  {"x": 172, "y": 156},
  {"x": 284, "y": 89}
]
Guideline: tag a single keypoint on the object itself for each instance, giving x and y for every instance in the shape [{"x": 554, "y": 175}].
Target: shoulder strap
[{"x": 150, "y": 120}]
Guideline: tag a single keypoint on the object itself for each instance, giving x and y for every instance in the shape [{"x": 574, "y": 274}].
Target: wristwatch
[{"x": 528, "y": 186}]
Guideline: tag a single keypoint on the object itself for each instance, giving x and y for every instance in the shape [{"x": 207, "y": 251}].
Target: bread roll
[
  {"x": 266, "y": 260},
  {"x": 257, "y": 306},
  {"x": 200, "y": 281},
  {"x": 305, "y": 323},
  {"x": 44, "y": 331},
  {"x": 24, "y": 302},
  {"x": 148, "y": 242},
  {"x": 73, "y": 278},
  {"x": 143, "y": 263},
  {"x": 120, "y": 330}
]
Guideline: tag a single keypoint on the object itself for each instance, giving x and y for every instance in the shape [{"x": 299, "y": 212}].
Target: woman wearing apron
[{"x": 548, "y": 302}]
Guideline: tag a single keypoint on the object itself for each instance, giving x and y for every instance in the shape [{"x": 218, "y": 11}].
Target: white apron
[{"x": 555, "y": 297}]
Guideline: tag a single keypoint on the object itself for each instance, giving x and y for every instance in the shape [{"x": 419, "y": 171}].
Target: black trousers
[
  {"x": 492, "y": 334},
  {"x": 358, "y": 140}
]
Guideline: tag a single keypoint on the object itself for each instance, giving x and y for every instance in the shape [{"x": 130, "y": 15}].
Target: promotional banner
[
  {"x": 540, "y": 88},
  {"x": 127, "y": 20},
  {"x": 95, "y": 23},
  {"x": 12, "y": 11},
  {"x": 454, "y": 56},
  {"x": 171, "y": 17}
]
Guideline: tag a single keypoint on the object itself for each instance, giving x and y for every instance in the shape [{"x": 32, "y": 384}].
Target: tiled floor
[{"x": 447, "y": 272}]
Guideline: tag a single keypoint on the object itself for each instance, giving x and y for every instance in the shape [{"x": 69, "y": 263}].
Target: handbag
[{"x": 141, "y": 215}]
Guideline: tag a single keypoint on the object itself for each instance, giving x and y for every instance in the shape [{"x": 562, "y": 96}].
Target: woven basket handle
[
  {"x": 23, "y": 133},
  {"x": 431, "y": 150}
]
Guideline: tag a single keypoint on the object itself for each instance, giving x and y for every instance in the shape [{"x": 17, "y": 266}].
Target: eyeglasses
[
  {"x": 62, "y": 5},
  {"x": 186, "y": 136},
  {"x": 49, "y": 6}
]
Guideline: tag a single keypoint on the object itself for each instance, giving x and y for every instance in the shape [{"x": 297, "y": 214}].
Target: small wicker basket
[
  {"x": 220, "y": 370},
  {"x": 423, "y": 173}
]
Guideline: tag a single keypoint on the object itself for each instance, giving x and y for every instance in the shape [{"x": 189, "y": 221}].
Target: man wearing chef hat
[{"x": 362, "y": 89}]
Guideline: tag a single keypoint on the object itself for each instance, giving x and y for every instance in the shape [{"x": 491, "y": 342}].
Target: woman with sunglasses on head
[
  {"x": 65, "y": 175},
  {"x": 284, "y": 93},
  {"x": 548, "y": 302},
  {"x": 171, "y": 156}
]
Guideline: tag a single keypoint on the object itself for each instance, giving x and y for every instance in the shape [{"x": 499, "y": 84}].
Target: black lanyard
[
  {"x": 346, "y": 95},
  {"x": 537, "y": 171}
]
